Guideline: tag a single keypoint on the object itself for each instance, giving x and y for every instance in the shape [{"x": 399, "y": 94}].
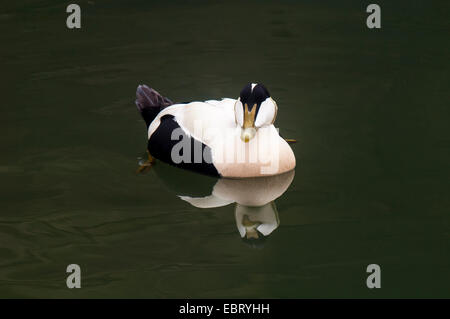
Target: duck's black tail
[{"x": 149, "y": 102}]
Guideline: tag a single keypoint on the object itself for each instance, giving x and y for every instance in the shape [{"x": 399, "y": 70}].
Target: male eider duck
[{"x": 232, "y": 138}]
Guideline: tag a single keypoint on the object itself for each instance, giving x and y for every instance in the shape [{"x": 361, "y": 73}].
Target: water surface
[{"x": 369, "y": 109}]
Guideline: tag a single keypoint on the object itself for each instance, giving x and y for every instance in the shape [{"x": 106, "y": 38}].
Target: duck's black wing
[{"x": 191, "y": 154}]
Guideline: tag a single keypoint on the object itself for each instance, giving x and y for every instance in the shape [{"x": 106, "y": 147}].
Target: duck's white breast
[{"x": 264, "y": 155}]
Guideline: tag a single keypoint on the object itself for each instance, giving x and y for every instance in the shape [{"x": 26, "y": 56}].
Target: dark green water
[{"x": 369, "y": 108}]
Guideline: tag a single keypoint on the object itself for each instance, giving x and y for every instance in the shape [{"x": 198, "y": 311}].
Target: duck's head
[{"x": 254, "y": 109}]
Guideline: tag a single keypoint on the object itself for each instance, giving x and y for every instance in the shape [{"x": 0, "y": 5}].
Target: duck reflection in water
[{"x": 254, "y": 198}]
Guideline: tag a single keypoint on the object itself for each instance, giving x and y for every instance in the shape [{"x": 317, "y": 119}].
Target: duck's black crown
[{"x": 253, "y": 94}]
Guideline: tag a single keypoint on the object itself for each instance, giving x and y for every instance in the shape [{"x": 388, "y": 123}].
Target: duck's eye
[
  {"x": 267, "y": 113},
  {"x": 239, "y": 113}
]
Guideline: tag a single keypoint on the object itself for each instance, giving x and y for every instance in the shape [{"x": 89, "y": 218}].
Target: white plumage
[{"x": 217, "y": 124}]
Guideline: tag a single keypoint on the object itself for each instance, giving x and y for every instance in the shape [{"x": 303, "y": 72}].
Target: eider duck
[{"x": 233, "y": 138}]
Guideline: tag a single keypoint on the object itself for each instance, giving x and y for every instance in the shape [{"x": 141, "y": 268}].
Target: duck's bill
[{"x": 247, "y": 134}]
